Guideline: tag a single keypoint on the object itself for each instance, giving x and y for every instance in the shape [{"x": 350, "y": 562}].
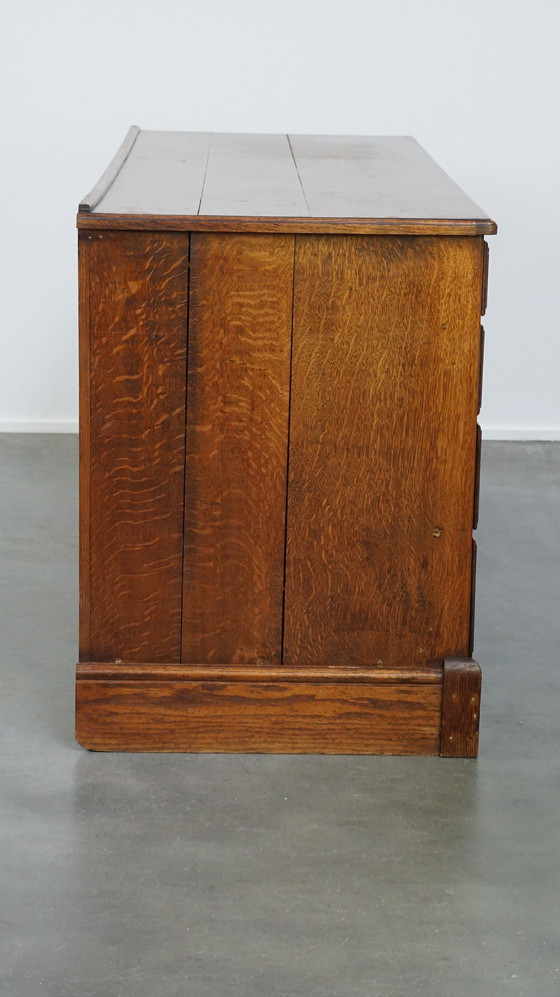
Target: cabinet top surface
[{"x": 291, "y": 183}]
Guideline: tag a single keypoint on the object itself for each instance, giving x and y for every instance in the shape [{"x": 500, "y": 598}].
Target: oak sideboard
[{"x": 280, "y": 376}]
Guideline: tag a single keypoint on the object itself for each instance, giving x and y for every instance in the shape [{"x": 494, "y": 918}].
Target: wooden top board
[{"x": 197, "y": 181}]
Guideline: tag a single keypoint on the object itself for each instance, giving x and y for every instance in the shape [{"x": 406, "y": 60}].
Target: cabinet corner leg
[{"x": 460, "y": 709}]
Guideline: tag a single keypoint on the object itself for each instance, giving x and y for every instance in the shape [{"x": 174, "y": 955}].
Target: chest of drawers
[{"x": 281, "y": 354}]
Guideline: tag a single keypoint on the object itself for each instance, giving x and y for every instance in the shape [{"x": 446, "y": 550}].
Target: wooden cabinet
[{"x": 281, "y": 359}]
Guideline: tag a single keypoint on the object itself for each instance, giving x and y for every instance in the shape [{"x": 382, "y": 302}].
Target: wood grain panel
[
  {"x": 381, "y": 483},
  {"x": 160, "y": 173},
  {"x": 251, "y": 175},
  {"x": 138, "y": 314},
  {"x": 368, "y": 176},
  {"x": 237, "y": 428},
  {"x": 250, "y": 716}
]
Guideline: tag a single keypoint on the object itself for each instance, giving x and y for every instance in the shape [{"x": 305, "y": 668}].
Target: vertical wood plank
[
  {"x": 138, "y": 320},
  {"x": 252, "y": 175},
  {"x": 237, "y": 430},
  {"x": 381, "y": 485}
]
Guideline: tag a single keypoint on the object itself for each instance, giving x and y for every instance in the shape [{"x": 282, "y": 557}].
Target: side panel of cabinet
[
  {"x": 382, "y": 433},
  {"x": 239, "y": 346},
  {"x": 133, "y": 323}
]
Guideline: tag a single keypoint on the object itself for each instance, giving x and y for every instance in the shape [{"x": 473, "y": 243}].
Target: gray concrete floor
[{"x": 216, "y": 876}]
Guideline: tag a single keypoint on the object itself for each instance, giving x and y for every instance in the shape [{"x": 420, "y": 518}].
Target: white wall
[{"x": 476, "y": 82}]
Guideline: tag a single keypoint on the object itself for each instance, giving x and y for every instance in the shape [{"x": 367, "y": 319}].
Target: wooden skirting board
[{"x": 236, "y": 708}]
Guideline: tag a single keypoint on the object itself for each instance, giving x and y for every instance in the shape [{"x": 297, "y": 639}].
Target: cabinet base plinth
[
  {"x": 245, "y": 708},
  {"x": 460, "y": 710}
]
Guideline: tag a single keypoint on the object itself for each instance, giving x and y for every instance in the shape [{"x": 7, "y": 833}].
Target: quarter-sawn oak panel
[
  {"x": 237, "y": 433},
  {"x": 137, "y": 317},
  {"x": 382, "y": 430}
]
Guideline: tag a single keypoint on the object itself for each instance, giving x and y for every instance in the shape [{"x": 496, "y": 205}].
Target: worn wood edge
[
  {"x": 460, "y": 708},
  {"x": 484, "y": 289},
  {"x": 474, "y": 551},
  {"x": 297, "y": 225},
  {"x": 268, "y": 717},
  {"x": 477, "y": 458},
  {"x": 122, "y": 671},
  {"x": 97, "y": 193},
  {"x": 481, "y": 366},
  {"x": 84, "y": 447}
]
